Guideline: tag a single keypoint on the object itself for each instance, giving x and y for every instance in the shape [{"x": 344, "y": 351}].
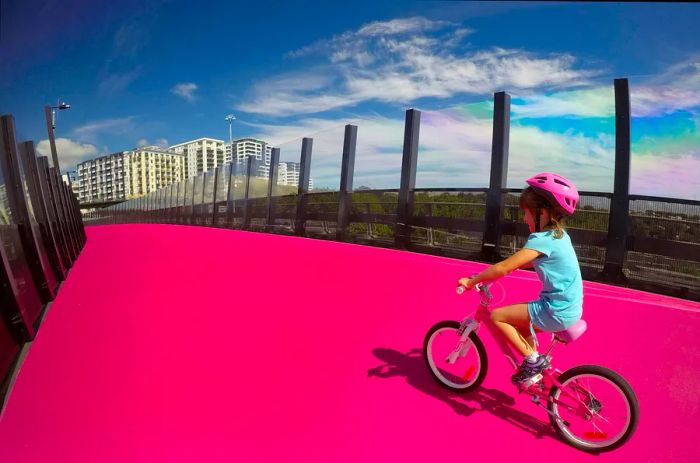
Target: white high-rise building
[
  {"x": 261, "y": 151},
  {"x": 102, "y": 179},
  {"x": 128, "y": 174},
  {"x": 288, "y": 174},
  {"x": 202, "y": 154}
]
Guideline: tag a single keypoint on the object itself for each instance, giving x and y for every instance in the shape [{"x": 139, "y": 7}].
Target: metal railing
[
  {"x": 41, "y": 236},
  {"x": 646, "y": 242}
]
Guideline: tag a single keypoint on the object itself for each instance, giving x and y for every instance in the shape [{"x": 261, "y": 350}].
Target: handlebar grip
[{"x": 461, "y": 289}]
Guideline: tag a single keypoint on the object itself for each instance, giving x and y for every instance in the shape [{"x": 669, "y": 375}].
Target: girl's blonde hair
[{"x": 530, "y": 199}]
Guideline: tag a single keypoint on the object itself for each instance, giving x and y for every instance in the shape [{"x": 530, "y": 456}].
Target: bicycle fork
[{"x": 468, "y": 325}]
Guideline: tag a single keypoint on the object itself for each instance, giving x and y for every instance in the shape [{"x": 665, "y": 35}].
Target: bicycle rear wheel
[
  {"x": 597, "y": 409},
  {"x": 468, "y": 371}
]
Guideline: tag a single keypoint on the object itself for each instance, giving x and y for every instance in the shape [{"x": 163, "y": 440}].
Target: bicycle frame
[
  {"x": 482, "y": 315},
  {"x": 540, "y": 386}
]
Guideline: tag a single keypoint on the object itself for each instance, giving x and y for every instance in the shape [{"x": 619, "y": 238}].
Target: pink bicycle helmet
[{"x": 558, "y": 190}]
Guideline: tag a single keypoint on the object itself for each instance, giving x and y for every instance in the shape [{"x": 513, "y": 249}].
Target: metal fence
[
  {"x": 41, "y": 236},
  {"x": 649, "y": 243}
]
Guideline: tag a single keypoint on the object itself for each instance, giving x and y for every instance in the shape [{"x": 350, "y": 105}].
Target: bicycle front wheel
[
  {"x": 468, "y": 370},
  {"x": 595, "y": 409}
]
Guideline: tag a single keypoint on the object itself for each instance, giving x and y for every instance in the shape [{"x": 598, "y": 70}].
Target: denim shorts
[{"x": 542, "y": 317}]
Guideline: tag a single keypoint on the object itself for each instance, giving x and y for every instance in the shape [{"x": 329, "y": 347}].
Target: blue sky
[{"x": 170, "y": 71}]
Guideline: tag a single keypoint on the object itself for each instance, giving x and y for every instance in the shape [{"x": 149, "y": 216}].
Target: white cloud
[
  {"x": 185, "y": 90},
  {"x": 161, "y": 143},
  {"x": 675, "y": 176},
  {"x": 115, "y": 83},
  {"x": 676, "y": 89},
  {"x": 398, "y": 62},
  {"x": 591, "y": 102},
  {"x": 455, "y": 151},
  {"x": 662, "y": 99},
  {"x": 400, "y": 26},
  {"x": 69, "y": 152},
  {"x": 89, "y": 132}
]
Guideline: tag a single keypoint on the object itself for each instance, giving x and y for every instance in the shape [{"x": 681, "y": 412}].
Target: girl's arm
[{"x": 503, "y": 268}]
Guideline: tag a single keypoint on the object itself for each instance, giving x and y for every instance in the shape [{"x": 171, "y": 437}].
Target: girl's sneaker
[{"x": 529, "y": 369}]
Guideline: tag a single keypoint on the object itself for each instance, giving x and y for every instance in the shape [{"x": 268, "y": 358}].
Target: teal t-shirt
[{"x": 559, "y": 272}]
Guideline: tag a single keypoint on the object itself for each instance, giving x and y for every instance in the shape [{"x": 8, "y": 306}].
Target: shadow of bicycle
[{"x": 412, "y": 366}]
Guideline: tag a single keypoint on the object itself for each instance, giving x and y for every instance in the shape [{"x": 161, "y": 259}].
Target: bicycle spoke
[{"x": 587, "y": 425}]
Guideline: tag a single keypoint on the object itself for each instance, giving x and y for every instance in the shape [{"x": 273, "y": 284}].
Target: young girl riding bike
[{"x": 547, "y": 200}]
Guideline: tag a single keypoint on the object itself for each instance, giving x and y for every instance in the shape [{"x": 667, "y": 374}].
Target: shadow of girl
[{"x": 412, "y": 366}]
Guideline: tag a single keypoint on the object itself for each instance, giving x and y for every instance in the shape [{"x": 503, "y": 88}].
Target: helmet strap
[{"x": 538, "y": 214}]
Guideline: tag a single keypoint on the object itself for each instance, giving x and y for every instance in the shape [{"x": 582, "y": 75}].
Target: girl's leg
[
  {"x": 527, "y": 335},
  {"x": 514, "y": 321}
]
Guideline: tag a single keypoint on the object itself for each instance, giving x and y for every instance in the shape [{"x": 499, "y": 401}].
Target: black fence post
[
  {"x": 173, "y": 202},
  {"x": 232, "y": 173},
  {"x": 347, "y": 172},
  {"x": 274, "y": 166},
  {"x": 246, "y": 201},
  {"x": 619, "y": 205},
  {"x": 404, "y": 211},
  {"x": 304, "y": 175},
  {"x": 192, "y": 218},
  {"x": 53, "y": 213},
  {"x": 40, "y": 206},
  {"x": 21, "y": 213},
  {"x": 202, "y": 208},
  {"x": 490, "y": 247},
  {"x": 61, "y": 210},
  {"x": 214, "y": 212}
]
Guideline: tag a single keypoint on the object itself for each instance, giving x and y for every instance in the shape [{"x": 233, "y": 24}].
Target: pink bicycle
[{"x": 591, "y": 407}]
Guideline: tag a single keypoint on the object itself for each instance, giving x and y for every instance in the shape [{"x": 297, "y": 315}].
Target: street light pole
[
  {"x": 230, "y": 118},
  {"x": 50, "y": 114}
]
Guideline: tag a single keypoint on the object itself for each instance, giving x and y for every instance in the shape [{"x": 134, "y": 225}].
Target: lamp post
[
  {"x": 50, "y": 113},
  {"x": 230, "y": 118}
]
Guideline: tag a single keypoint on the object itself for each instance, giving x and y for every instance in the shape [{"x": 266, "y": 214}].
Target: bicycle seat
[{"x": 572, "y": 333}]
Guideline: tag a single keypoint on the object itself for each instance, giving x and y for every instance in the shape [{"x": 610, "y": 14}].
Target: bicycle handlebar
[{"x": 481, "y": 288}]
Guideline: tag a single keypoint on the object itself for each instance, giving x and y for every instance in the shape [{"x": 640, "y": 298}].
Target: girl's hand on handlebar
[{"x": 467, "y": 283}]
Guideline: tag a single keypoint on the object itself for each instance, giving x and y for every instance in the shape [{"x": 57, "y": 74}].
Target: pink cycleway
[{"x": 172, "y": 343}]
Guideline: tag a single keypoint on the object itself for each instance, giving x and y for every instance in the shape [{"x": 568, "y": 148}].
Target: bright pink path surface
[{"x": 171, "y": 343}]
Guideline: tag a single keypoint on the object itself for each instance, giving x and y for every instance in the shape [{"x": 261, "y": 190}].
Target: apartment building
[
  {"x": 201, "y": 154},
  {"x": 151, "y": 168},
  {"x": 259, "y": 150},
  {"x": 288, "y": 174},
  {"x": 128, "y": 174}
]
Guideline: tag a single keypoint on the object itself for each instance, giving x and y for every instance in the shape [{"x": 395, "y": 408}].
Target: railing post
[
  {"x": 490, "y": 247},
  {"x": 176, "y": 212},
  {"x": 404, "y": 211},
  {"x": 274, "y": 165},
  {"x": 201, "y": 216},
  {"x": 232, "y": 172},
  {"x": 14, "y": 183},
  {"x": 172, "y": 207},
  {"x": 619, "y": 205},
  {"x": 347, "y": 172},
  {"x": 217, "y": 173},
  {"x": 304, "y": 173},
  {"x": 246, "y": 201},
  {"x": 191, "y": 218},
  {"x": 158, "y": 201}
]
